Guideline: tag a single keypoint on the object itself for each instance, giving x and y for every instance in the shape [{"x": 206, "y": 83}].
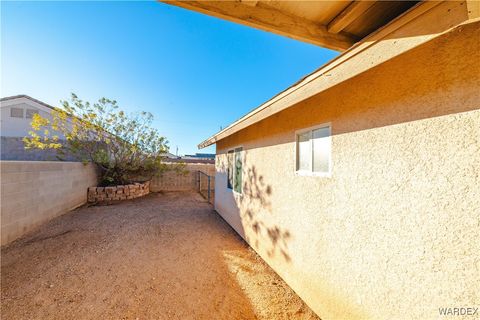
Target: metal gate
[{"x": 206, "y": 186}]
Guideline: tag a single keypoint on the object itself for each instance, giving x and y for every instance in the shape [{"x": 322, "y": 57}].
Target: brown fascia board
[{"x": 400, "y": 35}]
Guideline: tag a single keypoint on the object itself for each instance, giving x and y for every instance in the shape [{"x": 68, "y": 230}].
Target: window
[
  {"x": 30, "y": 113},
  {"x": 314, "y": 150},
  {"x": 16, "y": 112},
  {"x": 230, "y": 169},
  {"x": 237, "y": 181},
  {"x": 235, "y": 170}
]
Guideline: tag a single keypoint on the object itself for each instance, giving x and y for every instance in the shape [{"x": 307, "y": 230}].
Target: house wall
[
  {"x": 18, "y": 127},
  {"x": 13, "y": 130},
  {"x": 393, "y": 232},
  {"x": 34, "y": 192}
]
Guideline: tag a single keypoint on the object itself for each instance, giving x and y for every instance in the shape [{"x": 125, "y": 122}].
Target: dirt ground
[{"x": 165, "y": 256}]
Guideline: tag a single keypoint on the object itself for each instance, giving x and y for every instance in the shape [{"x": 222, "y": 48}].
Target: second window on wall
[
  {"x": 234, "y": 175},
  {"x": 313, "y": 148}
]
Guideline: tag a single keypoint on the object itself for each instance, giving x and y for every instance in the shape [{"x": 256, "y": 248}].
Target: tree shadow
[{"x": 260, "y": 228}]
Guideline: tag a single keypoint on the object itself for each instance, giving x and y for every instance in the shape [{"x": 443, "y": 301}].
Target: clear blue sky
[{"x": 195, "y": 73}]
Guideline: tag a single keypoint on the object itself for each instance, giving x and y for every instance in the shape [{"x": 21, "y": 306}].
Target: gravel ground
[{"x": 165, "y": 256}]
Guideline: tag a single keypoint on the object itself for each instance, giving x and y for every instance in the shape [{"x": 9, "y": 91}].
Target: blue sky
[{"x": 195, "y": 73}]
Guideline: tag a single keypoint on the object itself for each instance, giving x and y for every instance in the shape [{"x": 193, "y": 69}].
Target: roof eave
[{"x": 352, "y": 62}]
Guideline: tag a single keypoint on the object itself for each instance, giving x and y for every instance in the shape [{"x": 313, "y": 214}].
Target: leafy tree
[{"x": 124, "y": 147}]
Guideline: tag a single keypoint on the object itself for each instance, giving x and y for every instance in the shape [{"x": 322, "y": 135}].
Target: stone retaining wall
[{"x": 116, "y": 193}]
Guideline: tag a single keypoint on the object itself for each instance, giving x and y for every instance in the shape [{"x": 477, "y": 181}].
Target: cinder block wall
[
  {"x": 13, "y": 149},
  {"x": 173, "y": 181},
  {"x": 33, "y": 192}
]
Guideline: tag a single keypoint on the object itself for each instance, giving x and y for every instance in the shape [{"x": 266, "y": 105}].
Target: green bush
[{"x": 126, "y": 148}]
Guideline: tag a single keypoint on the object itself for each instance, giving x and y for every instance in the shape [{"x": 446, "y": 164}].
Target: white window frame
[
  {"x": 310, "y": 172},
  {"x": 233, "y": 182}
]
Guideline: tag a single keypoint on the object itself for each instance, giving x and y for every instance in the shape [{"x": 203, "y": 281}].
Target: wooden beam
[
  {"x": 249, "y": 2},
  {"x": 264, "y": 17},
  {"x": 473, "y": 9},
  {"x": 422, "y": 23},
  {"x": 348, "y": 15}
]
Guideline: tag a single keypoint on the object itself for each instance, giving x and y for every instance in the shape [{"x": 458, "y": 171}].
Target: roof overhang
[
  {"x": 23, "y": 98},
  {"x": 402, "y": 34},
  {"x": 332, "y": 24}
]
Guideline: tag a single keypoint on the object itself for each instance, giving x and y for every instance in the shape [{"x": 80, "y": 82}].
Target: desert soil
[{"x": 165, "y": 256}]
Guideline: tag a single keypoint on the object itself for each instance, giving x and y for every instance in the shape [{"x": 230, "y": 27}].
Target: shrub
[{"x": 126, "y": 148}]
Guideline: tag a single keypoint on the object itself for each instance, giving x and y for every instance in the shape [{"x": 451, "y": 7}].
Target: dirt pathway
[{"x": 166, "y": 256}]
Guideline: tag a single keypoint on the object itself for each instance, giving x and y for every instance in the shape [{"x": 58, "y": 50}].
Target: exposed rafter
[
  {"x": 260, "y": 15},
  {"x": 473, "y": 7},
  {"x": 250, "y": 3},
  {"x": 348, "y": 15},
  {"x": 403, "y": 34}
]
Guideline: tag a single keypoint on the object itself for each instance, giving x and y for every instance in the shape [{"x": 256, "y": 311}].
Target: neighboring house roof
[
  {"x": 26, "y": 97},
  {"x": 401, "y": 35},
  {"x": 39, "y": 103},
  {"x": 169, "y": 155},
  {"x": 200, "y": 156}
]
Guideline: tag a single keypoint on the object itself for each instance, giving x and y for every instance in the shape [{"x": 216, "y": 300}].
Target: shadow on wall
[
  {"x": 410, "y": 87},
  {"x": 436, "y": 79},
  {"x": 261, "y": 230},
  {"x": 406, "y": 158}
]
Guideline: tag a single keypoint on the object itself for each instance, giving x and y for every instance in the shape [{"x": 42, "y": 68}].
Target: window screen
[
  {"x": 30, "y": 113},
  {"x": 321, "y": 149},
  {"x": 234, "y": 178},
  {"x": 304, "y": 155},
  {"x": 230, "y": 169},
  {"x": 238, "y": 170},
  {"x": 314, "y": 150},
  {"x": 16, "y": 112}
]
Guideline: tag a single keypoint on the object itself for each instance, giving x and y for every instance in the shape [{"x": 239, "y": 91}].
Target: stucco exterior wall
[
  {"x": 393, "y": 233},
  {"x": 13, "y": 130},
  {"x": 33, "y": 192}
]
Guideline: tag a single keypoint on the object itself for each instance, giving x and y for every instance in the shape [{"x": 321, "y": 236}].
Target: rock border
[{"x": 118, "y": 193}]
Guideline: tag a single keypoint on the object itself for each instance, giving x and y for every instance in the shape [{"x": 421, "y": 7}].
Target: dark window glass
[
  {"x": 230, "y": 169},
  {"x": 238, "y": 170}
]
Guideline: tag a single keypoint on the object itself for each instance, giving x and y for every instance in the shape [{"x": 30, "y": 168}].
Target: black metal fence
[{"x": 206, "y": 186}]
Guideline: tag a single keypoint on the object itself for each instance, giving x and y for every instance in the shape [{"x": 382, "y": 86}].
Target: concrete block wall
[
  {"x": 33, "y": 192},
  {"x": 13, "y": 149},
  {"x": 173, "y": 181}
]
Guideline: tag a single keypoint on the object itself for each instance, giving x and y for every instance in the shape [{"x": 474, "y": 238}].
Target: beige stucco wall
[
  {"x": 33, "y": 192},
  {"x": 393, "y": 233}
]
